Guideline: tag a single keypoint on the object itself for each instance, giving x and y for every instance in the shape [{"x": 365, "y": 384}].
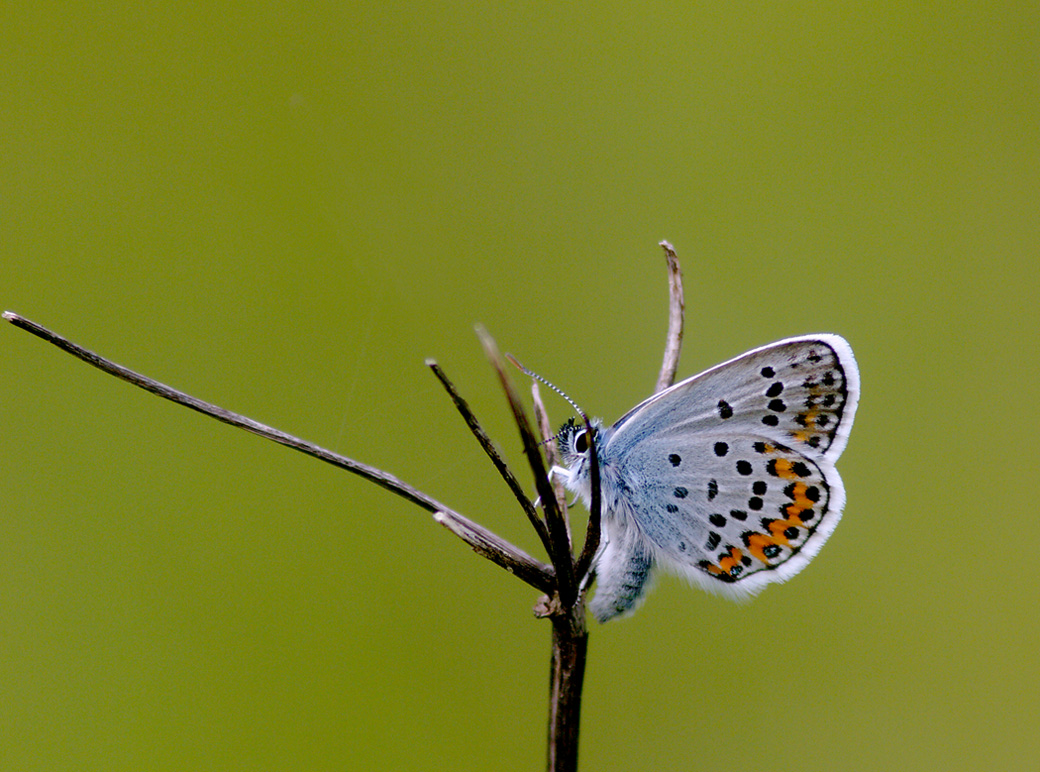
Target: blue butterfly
[{"x": 726, "y": 478}]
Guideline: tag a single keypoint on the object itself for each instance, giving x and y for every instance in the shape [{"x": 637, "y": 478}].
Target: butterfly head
[{"x": 573, "y": 443}]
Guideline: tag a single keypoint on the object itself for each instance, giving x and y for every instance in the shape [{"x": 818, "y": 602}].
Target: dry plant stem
[
  {"x": 567, "y": 609},
  {"x": 588, "y": 552},
  {"x": 559, "y": 539},
  {"x": 673, "y": 343},
  {"x": 541, "y": 417},
  {"x": 570, "y": 635},
  {"x": 492, "y": 452},
  {"x": 484, "y": 542},
  {"x": 570, "y": 644}
]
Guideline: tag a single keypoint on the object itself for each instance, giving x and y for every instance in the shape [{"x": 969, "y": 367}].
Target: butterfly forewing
[{"x": 800, "y": 392}]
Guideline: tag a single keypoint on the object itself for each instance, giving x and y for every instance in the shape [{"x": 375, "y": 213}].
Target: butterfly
[{"x": 726, "y": 478}]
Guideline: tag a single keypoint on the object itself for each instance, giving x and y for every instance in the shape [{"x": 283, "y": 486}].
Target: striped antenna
[{"x": 539, "y": 378}]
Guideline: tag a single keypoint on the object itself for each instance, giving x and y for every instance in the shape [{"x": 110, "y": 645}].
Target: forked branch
[
  {"x": 483, "y": 541},
  {"x": 564, "y": 582}
]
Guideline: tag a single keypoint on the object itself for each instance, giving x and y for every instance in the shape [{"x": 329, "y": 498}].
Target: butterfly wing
[
  {"x": 732, "y": 472},
  {"x": 799, "y": 391}
]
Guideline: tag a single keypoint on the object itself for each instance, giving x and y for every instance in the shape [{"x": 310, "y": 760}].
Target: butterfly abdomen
[{"x": 622, "y": 571}]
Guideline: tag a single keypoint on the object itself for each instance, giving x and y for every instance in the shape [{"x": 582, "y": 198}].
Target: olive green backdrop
[{"x": 284, "y": 209}]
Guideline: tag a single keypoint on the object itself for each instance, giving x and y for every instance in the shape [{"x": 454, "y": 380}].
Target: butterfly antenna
[{"x": 537, "y": 377}]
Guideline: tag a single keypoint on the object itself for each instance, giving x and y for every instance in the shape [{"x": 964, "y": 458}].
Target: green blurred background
[{"x": 284, "y": 209}]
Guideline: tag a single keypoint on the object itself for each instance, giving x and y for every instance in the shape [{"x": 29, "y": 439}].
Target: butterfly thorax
[{"x": 622, "y": 546}]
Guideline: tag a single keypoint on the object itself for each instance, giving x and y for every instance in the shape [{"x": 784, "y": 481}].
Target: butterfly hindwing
[{"x": 732, "y": 514}]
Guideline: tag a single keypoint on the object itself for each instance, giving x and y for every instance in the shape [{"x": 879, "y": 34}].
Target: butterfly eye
[{"x": 581, "y": 442}]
